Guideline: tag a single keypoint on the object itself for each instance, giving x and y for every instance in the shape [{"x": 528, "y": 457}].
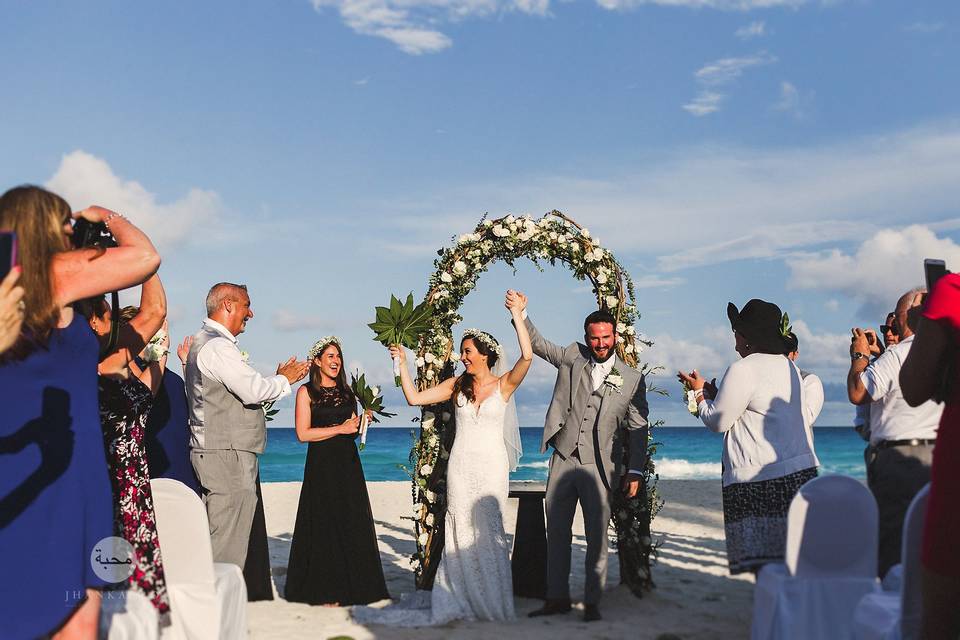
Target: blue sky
[{"x": 801, "y": 152}]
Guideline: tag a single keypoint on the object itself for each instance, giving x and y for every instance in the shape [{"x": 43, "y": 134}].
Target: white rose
[
  {"x": 423, "y": 539},
  {"x": 585, "y": 232},
  {"x": 427, "y": 422},
  {"x": 499, "y": 231},
  {"x": 446, "y": 277},
  {"x": 628, "y": 349},
  {"x": 631, "y": 331},
  {"x": 460, "y": 268},
  {"x": 510, "y": 219},
  {"x": 429, "y": 520},
  {"x": 619, "y": 339},
  {"x": 426, "y": 470},
  {"x": 431, "y": 496},
  {"x": 621, "y": 328},
  {"x": 420, "y": 363},
  {"x": 376, "y": 391},
  {"x": 429, "y": 357},
  {"x": 601, "y": 278},
  {"x": 464, "y": 238},
  {"x": 612, "y": 302},
  {"x": 429, "y": 374},
  {"x": 692, "y": 403},
  {"x": 553, "y": 236},
  {"x": 488, "y": 223},
  {"x": 575, "y": 247}
]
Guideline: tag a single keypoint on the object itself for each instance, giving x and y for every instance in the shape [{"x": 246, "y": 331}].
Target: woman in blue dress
[{"x": 55, "y": 497}]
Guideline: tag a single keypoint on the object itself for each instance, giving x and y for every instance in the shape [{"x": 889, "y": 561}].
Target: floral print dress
[{"x": 124, "y": 408}]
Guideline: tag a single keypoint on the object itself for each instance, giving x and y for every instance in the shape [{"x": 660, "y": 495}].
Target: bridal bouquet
[
  {"x": 370, "y": 400},
  {"x": 401, "y": 323},
  {"x": 156, "y": 347}
]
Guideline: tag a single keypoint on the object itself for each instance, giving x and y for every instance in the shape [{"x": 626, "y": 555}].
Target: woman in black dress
[{"x": 334, "y": 558}]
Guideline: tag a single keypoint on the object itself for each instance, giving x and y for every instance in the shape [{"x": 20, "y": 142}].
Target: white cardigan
[{"x": 763, "y": 411}]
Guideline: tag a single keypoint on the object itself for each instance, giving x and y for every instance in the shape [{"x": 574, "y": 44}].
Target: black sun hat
[{"x": 762, "y": 323}]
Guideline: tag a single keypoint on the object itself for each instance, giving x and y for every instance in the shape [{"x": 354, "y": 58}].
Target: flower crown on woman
[
  {"x": 486, "y": 339},
  {"x": 322, "y": 344}
]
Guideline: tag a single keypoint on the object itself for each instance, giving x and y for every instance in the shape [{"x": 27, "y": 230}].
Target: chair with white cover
[
  {"x": 128, "y": 615},
  {"x": 895, "y": 615},
  {"x": 831, "y": 563},
  {"x": 207, "y": 600}
]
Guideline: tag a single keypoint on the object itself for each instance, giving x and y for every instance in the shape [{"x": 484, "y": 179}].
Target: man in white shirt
[
  {"x": 224, "y": 399},
  {"x": 902, "y": 437}
]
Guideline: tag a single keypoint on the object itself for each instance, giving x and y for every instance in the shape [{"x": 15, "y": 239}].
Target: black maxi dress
[{"x": 334, "y": 556}]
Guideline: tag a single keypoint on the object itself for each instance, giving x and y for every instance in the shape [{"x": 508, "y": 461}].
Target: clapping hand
[
  {"x": 183, "y": 349},
  {"x": 293, "y": 370}
]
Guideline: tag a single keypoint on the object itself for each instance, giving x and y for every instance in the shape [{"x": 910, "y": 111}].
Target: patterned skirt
[{"x": 755, "y": 519}]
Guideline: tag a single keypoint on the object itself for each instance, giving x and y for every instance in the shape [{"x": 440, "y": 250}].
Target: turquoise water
[{"x": 684, "y": 453}]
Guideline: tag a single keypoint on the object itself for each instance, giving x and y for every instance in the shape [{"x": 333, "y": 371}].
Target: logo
[{"x": 113, "y": 559}]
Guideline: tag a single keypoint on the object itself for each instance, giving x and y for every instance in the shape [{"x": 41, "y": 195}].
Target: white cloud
[
  {"x": 656, "y": 282},
  {"x": 793, "y": 101},
  {"x": 414, "y": 26},
  {"x": 287, "y": 320},
  {"x": 84, "y": 179},
  {"x": 704, "y": 104},
  {"x": 882, "y": 268},
  {"x": 924, "y": 27},
  {"x": 756, "y": 29},
  {"x": 718, "y": 74}
]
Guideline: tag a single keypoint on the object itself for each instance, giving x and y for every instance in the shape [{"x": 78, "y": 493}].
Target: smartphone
[
  {"x": 8, "y": 252},
  {"x": 934, "y": 270}
]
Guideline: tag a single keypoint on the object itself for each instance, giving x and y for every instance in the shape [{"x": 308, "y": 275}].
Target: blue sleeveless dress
[{"x": 55, "y": 497}]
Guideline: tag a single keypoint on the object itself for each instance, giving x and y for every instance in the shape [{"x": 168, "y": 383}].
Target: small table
[{"x": 529, "y": 559}]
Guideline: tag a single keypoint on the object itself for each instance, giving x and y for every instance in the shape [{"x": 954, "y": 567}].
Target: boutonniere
[
  {"x": 614, "y": 380},
  {"x": 244, "y": 356}
]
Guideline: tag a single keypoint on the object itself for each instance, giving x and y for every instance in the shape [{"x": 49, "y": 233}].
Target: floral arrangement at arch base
[{"x": 553, "y": 238}]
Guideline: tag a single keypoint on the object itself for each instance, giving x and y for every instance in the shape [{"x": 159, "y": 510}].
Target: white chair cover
[
  {"x": 831, "y": 562},
  {"x": 197, "y": 606},
  {"x": 128, "y": 615},
  {"x": 893, "y": 615}
]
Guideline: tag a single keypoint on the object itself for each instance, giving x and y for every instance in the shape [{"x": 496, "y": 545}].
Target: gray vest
[
  {"x": 219, "y": 419},
  {"x": 577, "y": 433}
]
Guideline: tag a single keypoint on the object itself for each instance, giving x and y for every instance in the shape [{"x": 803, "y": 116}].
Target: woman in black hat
[{"x": 760, "y": 408}]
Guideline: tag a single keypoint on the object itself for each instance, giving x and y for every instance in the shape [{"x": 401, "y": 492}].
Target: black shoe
[
  {"x": 591, "y": 613},
  {"x": 551, "y": 608}
]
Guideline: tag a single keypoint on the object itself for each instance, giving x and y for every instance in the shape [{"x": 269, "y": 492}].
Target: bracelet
[{"x": 111, "y": 216}]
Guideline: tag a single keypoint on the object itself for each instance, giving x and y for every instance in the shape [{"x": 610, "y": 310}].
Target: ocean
[{"x": 684, "y": 453}]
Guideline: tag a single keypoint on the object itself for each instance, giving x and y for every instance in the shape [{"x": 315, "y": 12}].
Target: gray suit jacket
[{"x": 622, "y": 419}]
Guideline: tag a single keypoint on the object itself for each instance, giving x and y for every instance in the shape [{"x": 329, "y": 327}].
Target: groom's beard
[{"x": 598, "y": 359}]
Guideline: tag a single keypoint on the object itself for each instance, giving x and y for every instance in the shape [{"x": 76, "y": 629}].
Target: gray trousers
[
  {"x": 228, "y": 483},
  {"x": 570, "y": 482},
  {"x": 895, "y": 475}
]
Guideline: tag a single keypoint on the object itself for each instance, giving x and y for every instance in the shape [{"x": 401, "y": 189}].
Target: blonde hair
[{"x": 37, "y": 217}]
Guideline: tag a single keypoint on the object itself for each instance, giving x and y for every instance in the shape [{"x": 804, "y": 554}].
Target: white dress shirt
[
  {"x": 891, "y": 418},
  {"x": 220, "y": 359},
  {"x": 763, "y": 410},
  {"x": 600, "y": 370}
]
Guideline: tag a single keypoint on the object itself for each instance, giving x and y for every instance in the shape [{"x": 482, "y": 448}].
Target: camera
[{"x": 92, "y": 234}]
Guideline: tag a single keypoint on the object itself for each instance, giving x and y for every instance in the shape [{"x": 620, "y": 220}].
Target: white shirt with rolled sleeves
[
  {"x": 763, "y": 422},
  {"x": 221, "y": 360},
  {"x": 891, "y": 418}
]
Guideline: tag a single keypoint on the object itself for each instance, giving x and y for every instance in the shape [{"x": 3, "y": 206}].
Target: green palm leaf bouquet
[
  {"x": 370, "y": 400},
  {"x": 401, "y": 323}
]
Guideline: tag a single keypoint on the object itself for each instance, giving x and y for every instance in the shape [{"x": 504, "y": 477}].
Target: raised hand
[
  {"x": 292, "y": 370},
  {"x": 515, "y": 301},
  {"x": 397, "y": 352},
  {"x": 693, "y": 379},
  {"x": 183, "y": 349}
]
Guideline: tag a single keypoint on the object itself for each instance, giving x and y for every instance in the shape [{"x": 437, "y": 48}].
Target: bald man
[
  {"x": 902, "y": 437},
  {"x": 227, "y": 426}
]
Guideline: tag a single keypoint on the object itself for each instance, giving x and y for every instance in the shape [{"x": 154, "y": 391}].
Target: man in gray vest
[
  {"x": 599, "y": 406},
  {"x": 227, "y": 426}
]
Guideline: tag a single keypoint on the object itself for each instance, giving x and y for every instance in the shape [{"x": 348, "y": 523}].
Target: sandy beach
[{"x": 695, "y": 597}]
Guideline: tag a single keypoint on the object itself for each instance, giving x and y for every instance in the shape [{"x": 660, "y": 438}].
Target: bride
[{"x": 473, "y": 579}]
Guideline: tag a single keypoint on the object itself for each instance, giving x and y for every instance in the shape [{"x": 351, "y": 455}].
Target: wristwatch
[{"x": 856, "y": 355}]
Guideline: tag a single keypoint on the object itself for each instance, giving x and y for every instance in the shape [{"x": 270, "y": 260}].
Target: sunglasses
[{"x": 891, "y": 328}]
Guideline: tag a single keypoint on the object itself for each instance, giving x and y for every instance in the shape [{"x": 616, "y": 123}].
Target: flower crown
[
  {"x": 488, "y": 340},
  {"x": 322, "y": 344}
]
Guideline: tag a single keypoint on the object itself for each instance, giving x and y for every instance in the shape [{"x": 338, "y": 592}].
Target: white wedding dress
[{"x": 473, "y": 579}]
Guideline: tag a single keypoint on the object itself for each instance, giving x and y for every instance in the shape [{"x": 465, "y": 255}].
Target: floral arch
[{"x": 553, "y": 238}]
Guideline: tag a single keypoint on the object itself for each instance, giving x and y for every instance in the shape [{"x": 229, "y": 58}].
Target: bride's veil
[{"x": 511, "y": 423}]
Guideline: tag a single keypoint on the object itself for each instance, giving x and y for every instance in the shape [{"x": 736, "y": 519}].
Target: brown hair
[
  {"x": 37, "y": 217},
  {"x": 464, "y": 383},
  {"x": 313, "y": 385}
]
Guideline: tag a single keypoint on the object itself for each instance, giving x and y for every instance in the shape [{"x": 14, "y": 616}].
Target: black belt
[{"x": 913, "y": 442}]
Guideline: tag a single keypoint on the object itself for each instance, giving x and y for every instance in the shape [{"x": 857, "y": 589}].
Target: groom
[{"x": 599, "y": 406}]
